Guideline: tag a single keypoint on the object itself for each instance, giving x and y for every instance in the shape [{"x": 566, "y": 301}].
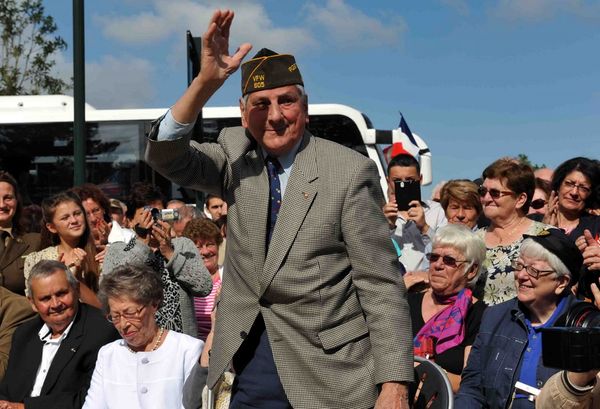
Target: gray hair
[
  {"x": 467, "y": 242},
  {"x": 531, "y": 249},
  {"x": 300, "y": 88},
  {"x": 138, "y": 282},
  {"x": 46, "y": 268}
]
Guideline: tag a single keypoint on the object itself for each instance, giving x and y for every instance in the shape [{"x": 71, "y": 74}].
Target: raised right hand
[{"x": 216, "y": 63}]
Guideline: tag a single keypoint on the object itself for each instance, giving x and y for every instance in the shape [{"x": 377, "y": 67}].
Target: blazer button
[
  {"x": 243, "y": 334},
  {"x": 144, "y": 389}
]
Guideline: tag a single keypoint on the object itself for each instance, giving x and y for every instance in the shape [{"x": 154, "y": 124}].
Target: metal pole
[{"x": 79, "y": 129}]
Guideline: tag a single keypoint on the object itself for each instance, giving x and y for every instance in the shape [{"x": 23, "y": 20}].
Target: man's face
[
  {"x": 404, "y": 173},
  {"x": 216, "y": 207},
  {"x": 55, "y": 300},
  {"x": 276, "y": 118}
]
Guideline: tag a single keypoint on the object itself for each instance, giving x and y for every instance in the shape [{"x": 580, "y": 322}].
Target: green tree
[
  {"x": 27, "y": 46},
  {"x": 521, "y": 157}
]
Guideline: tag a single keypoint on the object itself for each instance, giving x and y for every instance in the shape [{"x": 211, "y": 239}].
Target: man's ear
[
  {"x": 30, "y": 299},
  {"x": 242, "y": 111}
]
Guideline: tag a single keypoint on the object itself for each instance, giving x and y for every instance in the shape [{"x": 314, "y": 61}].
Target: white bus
[{"x": 36, "y": 143}]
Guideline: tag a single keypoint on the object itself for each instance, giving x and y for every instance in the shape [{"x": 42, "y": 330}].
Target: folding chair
[{"x": 432, "y": 388}]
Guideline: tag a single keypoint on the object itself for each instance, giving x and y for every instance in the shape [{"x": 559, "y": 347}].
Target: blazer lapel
[
  {"x": 67, "y": 350},
  {"x": 254, "y": 187},
  {"x": 299, "y": 195},
  {"x": 14, "y": 249}
]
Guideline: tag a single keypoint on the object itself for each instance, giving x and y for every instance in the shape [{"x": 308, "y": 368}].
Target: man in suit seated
[
  {"x": 14, "y": 310},
  {"x": 53, "y": 356},
  {"x": 312, "y": 310}
]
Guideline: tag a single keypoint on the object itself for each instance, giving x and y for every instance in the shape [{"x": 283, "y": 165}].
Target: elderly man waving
[{"x": 312, "y": 310}]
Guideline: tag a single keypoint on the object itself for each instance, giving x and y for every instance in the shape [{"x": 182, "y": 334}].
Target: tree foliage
[
  {"x": 27, "y": 46},
  {"x": 521, "y": 157}
]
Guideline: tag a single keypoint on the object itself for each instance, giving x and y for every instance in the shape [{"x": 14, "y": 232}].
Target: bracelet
[{"x": 574, "y": 389}]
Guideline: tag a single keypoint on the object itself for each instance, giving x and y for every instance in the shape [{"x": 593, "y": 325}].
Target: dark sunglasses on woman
[
  {"x": 537, "y": 204},
  {"x": 447, "y": 260},
  {"x": 494, "y": 193}
]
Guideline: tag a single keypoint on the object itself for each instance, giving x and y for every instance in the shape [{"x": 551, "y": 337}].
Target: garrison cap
[
  {"x": 557, "y": 243},
  {"x": 267, "y": 70}
]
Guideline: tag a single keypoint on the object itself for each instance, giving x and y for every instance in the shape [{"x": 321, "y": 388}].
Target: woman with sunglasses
[
  {"x": 148, "y": 367},
  {"x": 506, "y": 192},
  {"x": 539, "y": 202},
  {"x": 575, "y": 190},
  {"x": 505, "y": 367},
  {"x": 446, "y": 318}
]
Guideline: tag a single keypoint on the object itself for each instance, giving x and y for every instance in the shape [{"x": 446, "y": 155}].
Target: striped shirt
[{"x": 203, "y": 307}]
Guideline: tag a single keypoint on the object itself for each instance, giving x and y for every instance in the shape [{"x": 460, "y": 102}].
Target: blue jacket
[{"x": 494, "y": 363}]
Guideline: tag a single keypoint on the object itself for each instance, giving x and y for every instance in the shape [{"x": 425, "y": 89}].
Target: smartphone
[{"x": 406, "y": 192}]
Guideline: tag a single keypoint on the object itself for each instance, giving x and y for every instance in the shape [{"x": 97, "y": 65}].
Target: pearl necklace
[{"x": 156, "y": 344}]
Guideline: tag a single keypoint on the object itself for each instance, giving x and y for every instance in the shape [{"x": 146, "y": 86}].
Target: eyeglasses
[
  {"x": 538, "y": 204},
  {"x": 569, "y": 184},
  {"x": 447, "y": 260},
  {"x": 531, "y": 271},
  {"x": 494, "y": 193},
  {"x": 129, "y": 316}
]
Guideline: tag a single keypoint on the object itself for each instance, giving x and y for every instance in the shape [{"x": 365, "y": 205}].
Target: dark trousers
[{"x": 257, "y": 383}]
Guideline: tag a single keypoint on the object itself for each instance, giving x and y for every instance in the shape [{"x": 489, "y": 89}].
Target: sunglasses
[
  {"x": 537, "y": 204},
  {"x": 447, "y": 260},
  {"x": 494, "y": 193}
]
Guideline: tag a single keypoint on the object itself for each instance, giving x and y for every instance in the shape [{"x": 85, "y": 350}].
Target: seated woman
[
  {"x": 67, "y": 237},
  {"x": 575, "y": 185},
  {"x": 508, "y": 347},
  {"x": 207, "y": 237},
  {"x": 506, "y": 192},
  {"x": 15, "y": 242},
  {"x": 461, "y": 204},
  {"x": 445, "y": 318},
  {"x": 539, "y": 202},
  {"x": 148, "y": 367},
  {"x": 176, "y": 261}
]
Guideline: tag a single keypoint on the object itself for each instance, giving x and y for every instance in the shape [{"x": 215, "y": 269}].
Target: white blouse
[{"x": 144, "y": 380}]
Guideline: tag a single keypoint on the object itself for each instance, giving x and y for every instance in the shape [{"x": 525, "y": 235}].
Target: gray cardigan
[{"x": 184, "y": 276}]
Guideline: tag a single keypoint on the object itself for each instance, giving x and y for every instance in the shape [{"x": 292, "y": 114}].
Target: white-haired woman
[
  {"x": 508, "y": 348},
  {"x": 446, "y": 317},
  {"x": 148, "y": 367}
]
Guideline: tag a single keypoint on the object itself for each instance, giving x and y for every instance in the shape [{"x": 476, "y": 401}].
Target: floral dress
[{"x": 497, "y": 281}]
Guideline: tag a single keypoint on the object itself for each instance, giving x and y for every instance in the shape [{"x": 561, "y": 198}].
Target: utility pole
[{"x": 79, "y": 128}]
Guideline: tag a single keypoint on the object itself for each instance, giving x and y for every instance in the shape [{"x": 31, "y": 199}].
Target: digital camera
[{"x": 576, "y": 346}]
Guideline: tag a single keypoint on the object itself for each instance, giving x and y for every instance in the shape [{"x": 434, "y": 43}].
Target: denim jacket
[{"x": 494, "y": 363}]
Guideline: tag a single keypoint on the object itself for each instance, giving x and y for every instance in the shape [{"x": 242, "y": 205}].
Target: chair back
[{"x": 432, "y": 388}]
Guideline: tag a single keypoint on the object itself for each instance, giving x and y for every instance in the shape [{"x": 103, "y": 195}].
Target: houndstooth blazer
[{"x": 329, "y": 288}]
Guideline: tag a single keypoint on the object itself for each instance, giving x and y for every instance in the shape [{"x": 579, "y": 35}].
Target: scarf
[{"x": 447, "y": 328}]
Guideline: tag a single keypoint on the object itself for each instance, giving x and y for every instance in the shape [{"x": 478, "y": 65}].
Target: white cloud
[
  {"x": 336, "y": 23},
  {"x": 543, "y": 9},
  {"x": 347, "y": 26},
  {"x": 119, "y": 82},
  {"x": 169, "y": 19},
  {"x": 460, "y": 6}
]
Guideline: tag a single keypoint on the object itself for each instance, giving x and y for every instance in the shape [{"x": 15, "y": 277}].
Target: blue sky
[{"x": 476, "y": 79}]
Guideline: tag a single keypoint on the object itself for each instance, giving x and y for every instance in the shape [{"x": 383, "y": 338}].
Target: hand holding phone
[{"x": 406, "y": 192}]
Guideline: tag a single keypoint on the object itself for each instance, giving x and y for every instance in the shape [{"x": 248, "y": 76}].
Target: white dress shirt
[{"x": 49, "y": 351}]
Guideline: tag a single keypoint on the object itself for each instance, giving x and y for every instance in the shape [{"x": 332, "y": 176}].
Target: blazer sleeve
[
  {"x": 190, "y": 164},
  {"x": 14, "y": 309},
  {"x": 187, "y": 267},
  {"x": 376, "y": 275}
]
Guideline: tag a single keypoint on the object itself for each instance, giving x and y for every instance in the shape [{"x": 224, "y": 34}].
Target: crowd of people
[{"x": 298, "y": 279}]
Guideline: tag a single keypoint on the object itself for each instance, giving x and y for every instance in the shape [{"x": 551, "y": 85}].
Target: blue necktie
[{"x": 273, "y": 168}]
